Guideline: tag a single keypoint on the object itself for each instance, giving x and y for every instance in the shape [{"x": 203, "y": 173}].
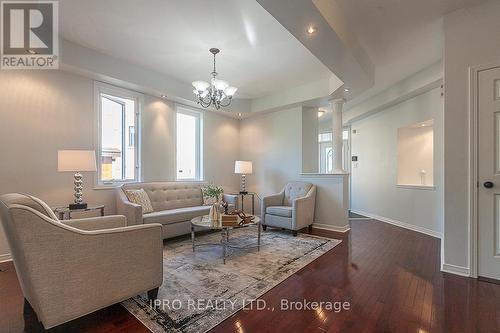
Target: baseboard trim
[
  {"x": 331, "y": 227},
  {"x": 454, "y": 269},
  {"x": 5, "y": 257},
  {"x": 401, "y": 224}
]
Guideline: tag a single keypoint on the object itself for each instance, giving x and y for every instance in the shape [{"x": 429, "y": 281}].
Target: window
[
  {"x": 325, "y": 137},
  {"x": 189, "y": 139},
  {"x": 326, "y": 151},
  {"x": 118, "y": 118},
  {"x": 416, "y": 154},
  {"x": 131, "y": 136}
]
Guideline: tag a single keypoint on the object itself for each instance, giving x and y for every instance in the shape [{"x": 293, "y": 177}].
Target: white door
[{"x": 489, "y": 174}]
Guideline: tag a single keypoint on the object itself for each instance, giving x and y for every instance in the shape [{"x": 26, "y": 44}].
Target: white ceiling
[
  {"x": 401, "y": 37},
  {"x": 258, "y": 55}
]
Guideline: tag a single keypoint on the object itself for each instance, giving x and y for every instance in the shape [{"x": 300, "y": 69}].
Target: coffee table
[{"x": 206, "y": 223}]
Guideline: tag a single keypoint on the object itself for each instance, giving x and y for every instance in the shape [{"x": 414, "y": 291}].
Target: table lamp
[
  {"x": 243, "y": 168},
  {"x": 76, "y": 161}
]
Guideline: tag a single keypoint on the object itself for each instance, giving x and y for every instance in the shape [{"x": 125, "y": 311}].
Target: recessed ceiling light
[
  {"x": 311, "y": 30},
  {"x": 347, "y": 89},
  {"x": 30, "y": 51},
  {"x": 163, "y": 96}
]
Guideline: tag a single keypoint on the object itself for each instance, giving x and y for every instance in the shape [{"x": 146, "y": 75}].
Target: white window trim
[
  {"x": 99, "y": 88},
  {"x": 180, "y": 108}
]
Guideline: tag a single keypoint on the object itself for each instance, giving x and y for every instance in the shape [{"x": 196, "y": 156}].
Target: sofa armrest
[
  {"x": 97, "y": 223},
  {"x": 303, "y": 210},
  {"x": 132, "y": 211},
  {"x": 91, "y": 269},
  {"x": 270, "y": 200}
]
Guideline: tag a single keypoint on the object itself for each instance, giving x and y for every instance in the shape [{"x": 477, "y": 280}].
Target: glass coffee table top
[{"x": 206, "y": 222}]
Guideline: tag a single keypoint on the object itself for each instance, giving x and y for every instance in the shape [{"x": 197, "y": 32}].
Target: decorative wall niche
[{"x": 416, "y": 155}]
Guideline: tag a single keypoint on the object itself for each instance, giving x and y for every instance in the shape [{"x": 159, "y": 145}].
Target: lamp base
[{"x": 75, "y": 206}]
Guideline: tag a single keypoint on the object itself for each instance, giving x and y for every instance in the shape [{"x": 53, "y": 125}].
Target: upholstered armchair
[
  {"x": 68, "y": 269},
  {"x": 292, "y": 208}
]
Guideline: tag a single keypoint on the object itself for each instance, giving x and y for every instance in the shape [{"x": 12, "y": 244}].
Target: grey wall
[
  {"x": 471, "y": 38},
  {"x": 310, "y": 129},
  {"x": 44, "y": 111},
  {"x": 374, "y": 180},
  {"x": 273, "y": 142},
  {"x": 220, "y": 144}
]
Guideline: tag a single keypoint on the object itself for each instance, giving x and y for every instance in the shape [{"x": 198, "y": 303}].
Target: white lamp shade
[
  {"x": 221, "y": 85},
  {"x": 243, "y": 167},
  {"x": 76, "y": 160},
  {"x": 230, "y": 91},
  {"x": 200, "y": 85}
]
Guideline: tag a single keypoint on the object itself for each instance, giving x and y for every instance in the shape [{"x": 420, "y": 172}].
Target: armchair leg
[
  {"x": 264, "y": 227},
  {"x": 295, "y": 233},
  {"x": 153, "y": 294}
]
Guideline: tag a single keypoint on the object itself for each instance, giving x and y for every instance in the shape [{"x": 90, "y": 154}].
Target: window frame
[
  {"x": 180, "y": 108},
  {"x": 107, "y": 89}
]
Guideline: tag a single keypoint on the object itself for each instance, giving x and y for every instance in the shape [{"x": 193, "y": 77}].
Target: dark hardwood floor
[{"x": 390, "y": 276}]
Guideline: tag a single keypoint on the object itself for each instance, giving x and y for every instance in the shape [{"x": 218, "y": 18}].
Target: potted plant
[{"x": 214, "y": 192}]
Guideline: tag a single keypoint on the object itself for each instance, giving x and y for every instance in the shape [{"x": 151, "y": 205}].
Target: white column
[{"x": 337, "y": 105}]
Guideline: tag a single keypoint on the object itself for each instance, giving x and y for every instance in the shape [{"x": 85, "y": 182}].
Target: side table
[
  {"x": 64, "y": 213},
  {"x": 242, "y": 196}
]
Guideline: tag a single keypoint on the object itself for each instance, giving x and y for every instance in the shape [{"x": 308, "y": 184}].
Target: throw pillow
[{"x": 140, "y": 197}]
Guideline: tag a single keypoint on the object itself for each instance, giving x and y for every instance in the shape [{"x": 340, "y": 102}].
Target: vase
[{"x": 214, "y": 212}]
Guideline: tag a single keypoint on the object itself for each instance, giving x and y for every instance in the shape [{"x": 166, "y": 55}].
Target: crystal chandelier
[{"x": 217, "y": 93}]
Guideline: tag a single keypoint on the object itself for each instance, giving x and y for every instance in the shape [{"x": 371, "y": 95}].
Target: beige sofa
[
  {"x": 292, "y": 208},
  {"x": 68, "y": 269},
  {"x": 174, "y": 205}
]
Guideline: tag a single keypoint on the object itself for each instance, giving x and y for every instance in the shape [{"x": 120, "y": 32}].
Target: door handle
[{"x": 488, "y": 184}]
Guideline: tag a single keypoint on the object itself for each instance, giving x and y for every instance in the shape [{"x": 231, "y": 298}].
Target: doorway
[{"x": 488, "y": 173}]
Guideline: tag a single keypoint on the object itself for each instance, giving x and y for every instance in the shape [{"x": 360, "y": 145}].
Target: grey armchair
[
  {"x": 292, "y": 208},
  {"x": 68, "y": 269}
]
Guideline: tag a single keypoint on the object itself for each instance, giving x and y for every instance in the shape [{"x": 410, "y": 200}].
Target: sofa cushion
[
  {"x": 295, "y": 190},
  {"x": 285, "y": 211},
  {"x": 171, "y": 195},
  {"x": 175, "y": 215}
]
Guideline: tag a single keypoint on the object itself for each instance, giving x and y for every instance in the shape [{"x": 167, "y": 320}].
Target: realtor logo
[{"x": 29, "y": 32}]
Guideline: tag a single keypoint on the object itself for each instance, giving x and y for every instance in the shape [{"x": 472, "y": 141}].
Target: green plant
[{"x": 212, "y": 191}]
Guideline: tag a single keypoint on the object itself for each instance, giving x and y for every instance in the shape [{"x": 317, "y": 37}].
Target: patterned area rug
[{"x": 199, "y": 291}]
